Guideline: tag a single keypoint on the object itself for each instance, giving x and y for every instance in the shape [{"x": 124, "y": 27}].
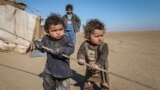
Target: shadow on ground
[{"x": 78, "y": 78}]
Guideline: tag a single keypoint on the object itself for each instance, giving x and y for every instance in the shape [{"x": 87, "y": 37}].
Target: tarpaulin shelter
[{"x": 18, "y": 28}]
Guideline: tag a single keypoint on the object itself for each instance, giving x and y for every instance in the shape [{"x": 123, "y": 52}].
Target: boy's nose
[
  {"x": 100, "y": 38},
  {"x": 58, "y": 32}
]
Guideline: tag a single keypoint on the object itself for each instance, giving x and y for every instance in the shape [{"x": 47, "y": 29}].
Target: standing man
[{"x": 72, "y": 23}]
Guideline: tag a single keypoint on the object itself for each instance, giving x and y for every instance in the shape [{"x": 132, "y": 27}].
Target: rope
[{"x": 15, "y": 35}]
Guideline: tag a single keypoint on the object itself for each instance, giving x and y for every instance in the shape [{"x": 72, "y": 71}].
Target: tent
[{"x": 17, "y": 29}]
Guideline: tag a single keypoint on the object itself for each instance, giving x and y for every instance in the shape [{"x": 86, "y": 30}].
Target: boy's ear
[{"x": 47, "y": 31}]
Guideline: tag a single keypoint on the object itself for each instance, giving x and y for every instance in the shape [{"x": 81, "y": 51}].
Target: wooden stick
[{"x": 103, "y": 70}]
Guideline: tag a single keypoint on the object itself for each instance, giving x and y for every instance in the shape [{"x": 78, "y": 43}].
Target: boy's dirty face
[
  {"x": 97, "y": 36},
  {"x": 56, "y": 31},
  {"x": 69, "y": 11}
]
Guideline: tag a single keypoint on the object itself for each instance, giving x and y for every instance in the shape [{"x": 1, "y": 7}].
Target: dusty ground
[{"x": 134, "y": 61}]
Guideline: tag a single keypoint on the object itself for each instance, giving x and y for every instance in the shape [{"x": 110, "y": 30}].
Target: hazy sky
[{"x": 118, "y": 15}]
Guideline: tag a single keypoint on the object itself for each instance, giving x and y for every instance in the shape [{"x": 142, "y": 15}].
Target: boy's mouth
[{"x": 58, "y": 37}]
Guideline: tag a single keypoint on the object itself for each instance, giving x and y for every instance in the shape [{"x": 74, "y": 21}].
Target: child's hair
[
  {"x": 69, "y": 6},
  {"x": 53, "y": 19},
  {"x": 91, "y": 25}
]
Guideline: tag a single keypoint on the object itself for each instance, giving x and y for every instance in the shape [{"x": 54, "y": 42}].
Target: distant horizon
[
  {"x": 137, "y": 31},
  {"x": 134, "y": 30}
]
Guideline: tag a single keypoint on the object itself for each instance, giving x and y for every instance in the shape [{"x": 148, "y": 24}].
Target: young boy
[
  {"x": 57, "y": 70},
  {"x": 72, "y": 23},
  {"x": 94, "y": 51}
]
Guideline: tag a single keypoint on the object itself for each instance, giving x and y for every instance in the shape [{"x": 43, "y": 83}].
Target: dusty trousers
[{"x": 52, "y": 83}]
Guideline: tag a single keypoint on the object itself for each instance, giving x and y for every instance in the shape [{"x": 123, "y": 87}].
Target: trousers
[{"x": 52, "y": 83}]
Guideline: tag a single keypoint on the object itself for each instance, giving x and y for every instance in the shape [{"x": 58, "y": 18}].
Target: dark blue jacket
[{"x": 58, "y": 67}]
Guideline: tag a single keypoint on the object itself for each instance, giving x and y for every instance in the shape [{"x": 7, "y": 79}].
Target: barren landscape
[{"x": 134, "y": 59}]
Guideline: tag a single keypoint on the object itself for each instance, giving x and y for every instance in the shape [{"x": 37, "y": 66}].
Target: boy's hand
[
  {"x": 93, "y": 67},
  {"x": 56, "y": 51},
  {"x": 38, "y": 44},
  {"x": 81, "y": 62}
]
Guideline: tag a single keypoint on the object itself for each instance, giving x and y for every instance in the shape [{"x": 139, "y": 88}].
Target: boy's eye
[
  {"x": 61, "y": 29},
  {"x": 99, "y": 35},
  {"x": 96, "y": 36},
  {"x": 56, "y": 30},
  {"x": 53, "y": 30},
  {"x": 102, "y": 35}
]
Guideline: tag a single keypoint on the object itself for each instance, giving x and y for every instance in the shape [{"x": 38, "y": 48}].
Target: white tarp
[{"x": 16, "y": 26}]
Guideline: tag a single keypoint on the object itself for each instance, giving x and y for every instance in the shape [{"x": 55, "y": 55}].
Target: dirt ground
[{"x": 134, "y": 59}]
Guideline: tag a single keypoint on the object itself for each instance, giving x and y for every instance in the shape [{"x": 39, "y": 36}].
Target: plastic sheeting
[{"x": 16, "y": 27}]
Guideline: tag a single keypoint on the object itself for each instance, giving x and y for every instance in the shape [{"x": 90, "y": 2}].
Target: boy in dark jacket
[
  {"x": 94, "y": 51},
  {"x": 72, "y": 23},
  {"x": 57, "y": 70}
]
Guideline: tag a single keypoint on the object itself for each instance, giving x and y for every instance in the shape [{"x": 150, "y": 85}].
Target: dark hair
[
  {"x": 53, "y": 19},
  {"x": 69, "y": 6},
  {"x": 91, "y": 25}
]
